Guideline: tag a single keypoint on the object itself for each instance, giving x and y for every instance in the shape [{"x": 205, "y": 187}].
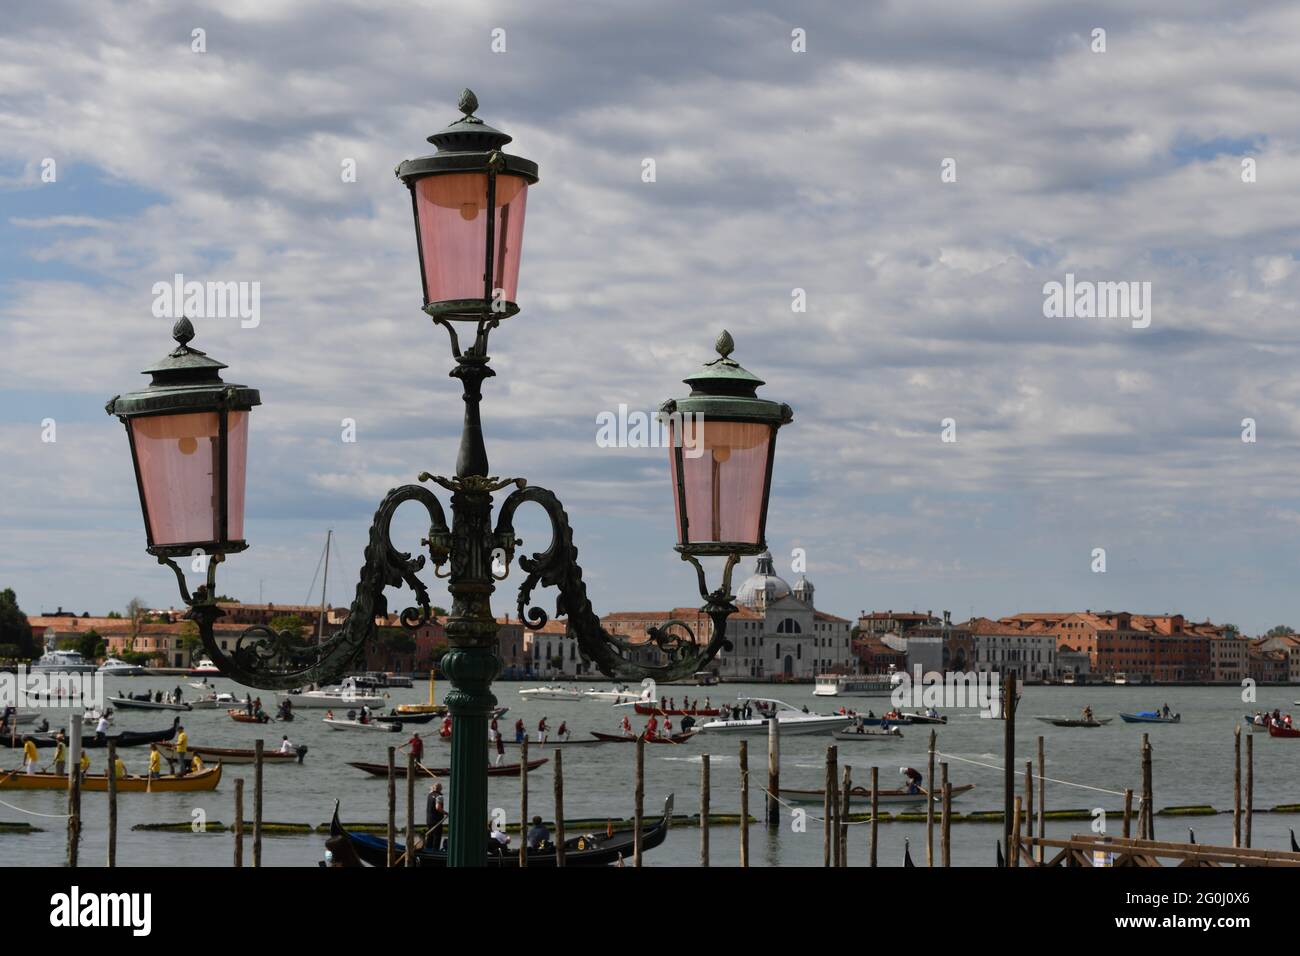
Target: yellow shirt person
[
  {"x": 85, "y": 763},
  {"x": 30, "y": 755},
  {"x": 119, "y": 768},
  {"x": 155, "y": 762},
  {"x": 196, "y": 764},
  {"x": 182, "y": 743}
]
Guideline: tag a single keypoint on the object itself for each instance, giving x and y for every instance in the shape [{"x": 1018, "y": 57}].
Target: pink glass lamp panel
[
  {"x": 724, "y": 481},
  {"x": 453, "y": 234}
]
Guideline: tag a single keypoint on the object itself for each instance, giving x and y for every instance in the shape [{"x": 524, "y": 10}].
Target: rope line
[{"x": 1064, "y": 783}]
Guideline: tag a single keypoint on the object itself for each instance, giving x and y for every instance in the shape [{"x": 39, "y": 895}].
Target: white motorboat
[
  {"x": 337, "y": 723},
  {"x": 619, "y": 695},
  {"x": 63, "y": 662},
  {"x": 221, "y": 701},
  {"x": 21, "y": 718},
  {"x": 344, "y": 695},
  {"x": 205, "y": 668},
  {"x": 116, "y": 667},
  {"x": 90, "y": 718},
  {"x": 131, "y": 703},
  {"x": 551, "y": 693},
  {"x": 790, "y": 720}
]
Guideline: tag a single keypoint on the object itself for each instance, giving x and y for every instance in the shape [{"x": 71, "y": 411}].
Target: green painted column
[{"x": 470, "y": 701}]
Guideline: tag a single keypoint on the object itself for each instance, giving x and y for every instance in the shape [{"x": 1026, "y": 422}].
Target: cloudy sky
[{"x": 776, "y": 170}]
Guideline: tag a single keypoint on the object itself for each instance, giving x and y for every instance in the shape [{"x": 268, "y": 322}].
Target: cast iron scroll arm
[
  {"x": 558, "y": 567},
  {"x": 267, "y": 659}
]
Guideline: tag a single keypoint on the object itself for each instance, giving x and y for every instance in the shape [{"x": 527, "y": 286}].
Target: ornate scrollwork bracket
[
  {"x": 265, "y": 658},
  {"x": 614, "y": 655}
]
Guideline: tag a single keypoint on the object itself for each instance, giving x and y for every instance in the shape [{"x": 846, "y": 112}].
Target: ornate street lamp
[{"x": 468, "y": 205}]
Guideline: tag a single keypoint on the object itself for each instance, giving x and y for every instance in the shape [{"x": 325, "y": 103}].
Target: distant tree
[
  {"x": 439, "y": 612},
  {"x": 226, "y": 599},
  {"x": 292, "y": 623},
  {"x": 115, "y": 615},
  {"x": 134, "y": 611},
  {"x": 190, "y": 640},
  {"x": 14, "y": 628},
  {"x": 1232, "y": 630},
  {"x": 1280, "y": 631},
  {"x": 91, "y": 645}
]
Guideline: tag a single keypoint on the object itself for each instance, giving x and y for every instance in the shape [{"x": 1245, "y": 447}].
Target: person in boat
[
  {"x": 884, "y": 725},
  {"x": 626, "y": 726},
  {"x": 85, "y": 764},
  {"x": 417, "y": 748},
  {"x": 155, "y": 762},
  {"x": 871, "y": 715},
  {"x": 60, "y": 756},
  {"x": 706, "y": 704},
  {"x": 687, "y": 723},
  {"x": 1087, "y": 713},
  {"x": 435, "y": 812},
  {"x": 913, "y": 779},
  {"x": 101, "y": 728},
  {"x": 119, "y": 768},
  {"x": 248, "y": 704},
  {"x": 329, "y": 714},
  {"x": 668, "y": 726},
  {"x": 182, "y": 747},
  {"x": 157, "y": 698},
  {"x": 652, "y": 728},
  {"x": 498, "y": 839},
  {"x": 563, "y": 732},
  {"x": 177, "y": 695},
  {"x": 30, "y": 754},
  {"x": 1164, "y": 711},
  {"x": 543, "y": 731},
  {"x": 520, "y": 732},
  {"x": 195, "y": 764},
  {"x": 538, "y": 836},
  {"x": 445, "y": 732},
  {"x": 932, "y": 713}
]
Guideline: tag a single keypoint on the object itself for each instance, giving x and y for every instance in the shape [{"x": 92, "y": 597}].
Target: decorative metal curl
[
  {"x": 271, "y": 660},
  {"x": 558, "y": 567}
]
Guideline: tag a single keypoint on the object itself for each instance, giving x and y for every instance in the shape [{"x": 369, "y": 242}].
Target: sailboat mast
[{"x": 320, "y": 623}]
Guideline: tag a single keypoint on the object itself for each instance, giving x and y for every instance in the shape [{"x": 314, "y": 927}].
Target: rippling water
[{"x": 1192, "y": 765}]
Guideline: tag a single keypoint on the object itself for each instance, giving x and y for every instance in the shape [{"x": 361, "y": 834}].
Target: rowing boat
[
  {"x": 626, "y": 739},
  {"x": 98, "y": 782},
  {"x": 850, "y": 733},
  {"x": 1074, "y": 721},
  {"x": 336, "y": 723},
  {"x": 860, "y": 796},
  {"x": 235, "y": 755},
  {"x": 589, "y": 849},
  {"x": 1150, "y": 717},
  {"x": 127, "y": 738},
  {"x": 1276, "y": 731},
  {"x": 399, "y": 770},
  {"x": 647, "y": 710},
  {"x": 244, "y": 717}
]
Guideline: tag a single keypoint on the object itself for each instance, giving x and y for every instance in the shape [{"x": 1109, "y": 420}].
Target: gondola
[
  {"x": 98, "y": 783},
  {"x": 399, "y": 771},
  {"x": 127, "y": 738},
  {"x": 236, "y": 755},
  {"x": 626, "y": 739},
  {"x": 1150, "y": 717},
  {"x": 589, "y": 849}
]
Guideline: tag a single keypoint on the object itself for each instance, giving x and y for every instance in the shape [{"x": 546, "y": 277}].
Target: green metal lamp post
[{"x": 188, "y": 426}]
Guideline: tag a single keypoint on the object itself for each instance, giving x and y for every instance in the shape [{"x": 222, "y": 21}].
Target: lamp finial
[
  {"x": 183, "y": 331},
  {"x": 725, "y": 344}
]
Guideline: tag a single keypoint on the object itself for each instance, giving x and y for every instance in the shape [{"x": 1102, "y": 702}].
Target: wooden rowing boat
[
  {"x": 127, "y": 738},
  {"x": 399, "y": 771},
  {"x": 625, "y": 739},
  {"x": 244, "y": 717},
  {"x": 336, "y": 723},
  {"x": 860, "y": 796},
  {"x": 1275, "y": 731},
  {"x": 98, "y": 783},
  {"x": 588, "y": 849},
  {"x": 1075, "y": 721},
  {"x": 860, "y": 734},
  {"x": 647, "y": 710},
  {"x": 235, "y": 755}
]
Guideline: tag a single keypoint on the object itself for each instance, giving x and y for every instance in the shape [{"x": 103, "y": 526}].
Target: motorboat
[
  {"x": 346, "y": 694},
  {"x": 551, "y": 693},
  {"x": 790, "y": 720},
  {"x": 222, "y": 701},
  {"x": 63, "y": 662},
  {"x": 132, "y": 703},
  {"x": 620, "y": 695},
  {"x": 205, "y": 668},
  {"x": 1151, "y": 717},
  {"x": 116, "y": 667},
  {"x": 1074, "y": 721}
]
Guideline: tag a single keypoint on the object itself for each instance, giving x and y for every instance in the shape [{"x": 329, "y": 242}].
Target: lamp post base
[{"x": 470, "y": 703}]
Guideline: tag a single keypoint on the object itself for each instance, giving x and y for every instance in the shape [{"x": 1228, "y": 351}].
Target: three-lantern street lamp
[{"x": 188, "y": 433}]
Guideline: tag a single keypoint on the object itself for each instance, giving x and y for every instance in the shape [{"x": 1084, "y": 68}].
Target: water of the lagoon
[{"x": 1192, "y": 765}]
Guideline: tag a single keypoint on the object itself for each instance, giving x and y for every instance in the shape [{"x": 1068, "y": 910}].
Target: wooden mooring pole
[
  {"x": 239, "y": 822},
  {"x": 1008, "y": 755},
  {"x": 1013, "y": 845},
  {"x": 392, "y": 805},
  {"x": 773, "y": 773},
  {"x": 1236, "y": 786},
  {"x": 945, "y": 827},
  {"x": 523, "y": 804},
  {"x": 74, "y": 788},
  {"x": 1128, "y": 812},
  {"x": 1042, "y": 797},
  {"x": 929, "y": 806},
  {"x": 1029, "y": 797},
  {"x": 559, "y": 808},
  {"x": 1250, "y": 785},
  {"x": 111, "y": 770},
  {"x": 638, "y": 811},
  {"x": 875, "y": 807},
  {"x": 257, "y": 802},
  {"x": 830, "y": 846},
  {"x": 744, "y": 803},
  {"x": 704, "y": 810},
  {"x": 410, "y": 809},
  {"x": 1148, "y": 795},
  {"x": 846, "y": 791}
]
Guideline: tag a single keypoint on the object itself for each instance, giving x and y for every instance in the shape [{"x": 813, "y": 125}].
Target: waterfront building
[{"x": 1000, "y": 647}]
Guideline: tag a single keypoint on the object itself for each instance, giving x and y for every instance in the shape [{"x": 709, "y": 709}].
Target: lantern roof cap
[
  {"x": 184, "y": 380},
  {"x": 723, "y": 388},
  {"x": 468, "y": 145}
]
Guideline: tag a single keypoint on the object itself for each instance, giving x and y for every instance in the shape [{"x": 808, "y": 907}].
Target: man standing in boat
[
  {"x": 101, "y": 728},
  {"x": 417, "y": 748},
  {"x": 182, "y": 749}
]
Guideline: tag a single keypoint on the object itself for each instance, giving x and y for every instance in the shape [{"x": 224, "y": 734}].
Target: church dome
[{"x": 763, "y": 586}]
